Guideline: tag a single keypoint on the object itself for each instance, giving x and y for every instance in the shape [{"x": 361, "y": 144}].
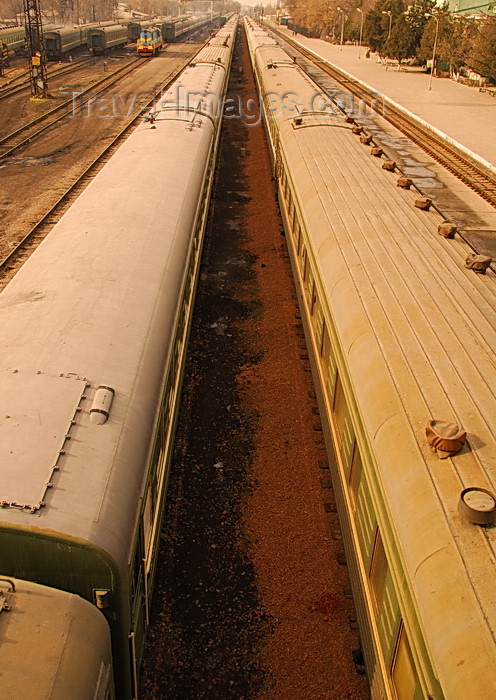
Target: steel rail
[
  {"x": 48, "y": 220},
  {"x": 8, "y": 90},
  {"x": 108, "y": 80},
  {"x": 467, "y": 169}
]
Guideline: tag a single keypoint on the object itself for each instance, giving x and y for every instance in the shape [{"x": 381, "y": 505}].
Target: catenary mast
[{"x": 36, "y": 48}]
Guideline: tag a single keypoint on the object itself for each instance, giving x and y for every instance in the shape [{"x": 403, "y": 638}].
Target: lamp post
[
  {"x": 343, "y": 17},
  {"x": 388, "y": 12},
  {"x": 430, "y": 14},
  {"x": 361, "y": 29}
]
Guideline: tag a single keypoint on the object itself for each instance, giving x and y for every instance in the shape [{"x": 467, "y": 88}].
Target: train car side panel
[
  {"x": 102, "y": 39},
  {"x": 371, "y": 275}
]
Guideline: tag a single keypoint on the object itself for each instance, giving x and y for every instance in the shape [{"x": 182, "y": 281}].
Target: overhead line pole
[{"x": 36, "y": 48}]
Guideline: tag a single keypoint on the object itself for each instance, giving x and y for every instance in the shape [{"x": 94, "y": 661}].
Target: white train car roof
[
  {"x": 212, "y": 54},
  {"x": 63, "y": 32},
  {"x": 53, "y": 644},
  {"x": 96, "y": 305},
  {"x": 223, "y": 34},
  {"x": 262, "y": 43},
  {"x": 261, "y": 38},
  {"x": 219, "y": 39},
  {"x": 106, "y": 29},
  {"x": 418, "y": 335}
]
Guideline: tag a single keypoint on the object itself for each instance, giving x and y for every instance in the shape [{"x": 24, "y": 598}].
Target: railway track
[
  {"x": 30, "y": 131},
  {"x": 21, "y": 82},
  {"x": 467, "y": 169},
  {"x": 14, "y": 260}
]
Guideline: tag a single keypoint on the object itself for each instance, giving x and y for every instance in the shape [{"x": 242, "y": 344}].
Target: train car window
[
  {"x": 338, "y": 410},
  {"x": 355, "y": 474},
  {"x": 306, "y": 270},
  {"x": 284, "y": 183},
  {"x": 378, "y": 571},
  {"x": 313, "y": 299},
  {"x": 296, "y": 231},
  {"x": 137, "y": 572},
  {"x": 148, "y": 521},
  {"x": 291, "y": 208},
  {"x": 158, "y": 449},
  {"x": 403, "y": 673},
  {"x": 294, "y": 218},
  {"x": 300, "y": 241},
  {"x": 325, "y": 345},
  {"x": 309, "y": 284}
]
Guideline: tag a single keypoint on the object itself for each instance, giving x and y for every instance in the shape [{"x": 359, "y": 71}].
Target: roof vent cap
[
  {"x": 100, "y": 408},
  {"x": 478, "y": 506}
]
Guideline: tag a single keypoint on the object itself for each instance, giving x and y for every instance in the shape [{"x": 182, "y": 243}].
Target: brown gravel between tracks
[
  {"x": 295, "y": 558},
  {"x": 248, "y": 601}
]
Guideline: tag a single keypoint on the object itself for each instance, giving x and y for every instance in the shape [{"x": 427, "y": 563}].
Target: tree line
[
  {"x": 399, "y": 31},
  {"x": 80, "y": 11}
]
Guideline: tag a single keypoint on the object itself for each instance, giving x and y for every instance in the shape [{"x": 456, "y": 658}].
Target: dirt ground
[
  {"x": 249, "y": 599},
  {"x": 36, "y": 176}
]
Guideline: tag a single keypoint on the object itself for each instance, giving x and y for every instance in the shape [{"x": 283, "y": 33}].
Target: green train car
[
  {"x": 58, "y": 42},
  {"x": 102, "y": 39},
  {"x": 92, "y": 351},
  {"x": 402, "y": 338},
  {"x": 53, "y": 645},
  {"x": 177, "y": 28}
]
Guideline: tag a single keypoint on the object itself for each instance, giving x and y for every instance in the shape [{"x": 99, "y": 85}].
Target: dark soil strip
[{"x": 249, "y": 597}]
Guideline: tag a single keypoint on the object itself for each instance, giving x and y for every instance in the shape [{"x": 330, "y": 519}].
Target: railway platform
[{"x": 462, "y": 112}]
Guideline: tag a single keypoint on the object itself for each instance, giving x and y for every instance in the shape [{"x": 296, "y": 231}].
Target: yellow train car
[
  {"x": 149, "y": 42},
  {"x": 402, "y": 338}
]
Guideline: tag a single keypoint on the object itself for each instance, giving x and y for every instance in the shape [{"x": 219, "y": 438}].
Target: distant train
[
  {"x": 401, "y": 334},
  {"x": 62, "y": 41},
  {"x": 101, "y": 39},
  {"x": 178, "y": 27},
  {"x": 172, "y": 29},
  {"x": 13, "y": 39},
  {"x": 149, "y": 42},
  {"x": 134, "y": 28},
  {"x": 92, "y": 351}
]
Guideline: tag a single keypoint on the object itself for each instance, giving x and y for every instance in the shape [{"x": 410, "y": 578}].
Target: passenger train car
[
  {"x": 149, "y": 42},
  {"x": 59, "y": 42},
  {"x": 102, "y": 39},
  {"x": 53, "y": 645},
  {"x": 14, "y": 39},
  {"x": 92, "y": 350},
  {"x": 62, "y": 41},
  {"x": 177, "y": 28},
  {"x": 402, "y": 336}
]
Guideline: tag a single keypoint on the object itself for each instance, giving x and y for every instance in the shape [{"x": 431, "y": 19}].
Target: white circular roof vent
[{"x": 477, "y": 506}]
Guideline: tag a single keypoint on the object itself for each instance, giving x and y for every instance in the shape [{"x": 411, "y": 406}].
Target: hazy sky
[{"x": 257, "y": 2}]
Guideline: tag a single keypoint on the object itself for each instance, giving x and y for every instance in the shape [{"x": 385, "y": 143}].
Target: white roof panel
[{"x": 48, "y": 405}]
